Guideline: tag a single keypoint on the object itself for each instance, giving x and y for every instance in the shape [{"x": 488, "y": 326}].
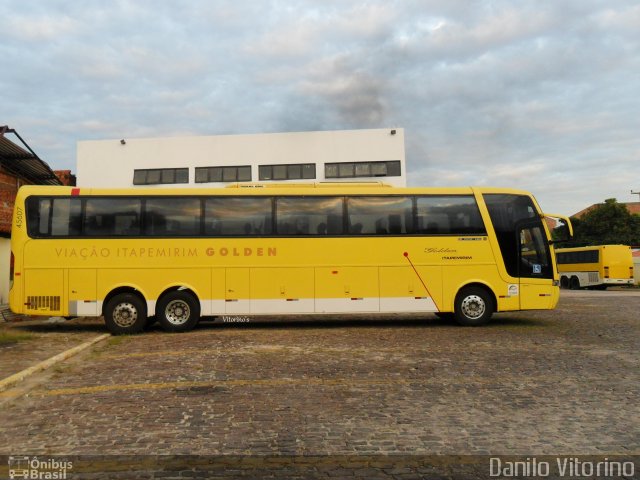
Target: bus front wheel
[
  {"x": 178, "y": 311},
  {"x": 473, "y": 307},
  {"x": 125, "y": 313}
]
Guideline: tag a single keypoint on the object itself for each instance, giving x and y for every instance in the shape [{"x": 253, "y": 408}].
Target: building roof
[
  {"x": 633, "y": 207},
  {"x": 22, "y": 161}
]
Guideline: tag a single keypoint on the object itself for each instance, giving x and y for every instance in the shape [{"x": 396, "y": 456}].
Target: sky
[{"x": 540, "y": 95}]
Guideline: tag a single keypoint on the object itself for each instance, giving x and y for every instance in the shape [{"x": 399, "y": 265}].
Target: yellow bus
[
  {"x": 174, "y": 255},
  {"x": 598, "y": 266}
]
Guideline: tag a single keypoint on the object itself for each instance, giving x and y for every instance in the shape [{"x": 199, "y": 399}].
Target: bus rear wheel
[
  {"x": 178, "y": 311},
  {"x": 125, "y": 313},
  {"x": 473, "y": 307},
  {"x": 574, "y": 283}
]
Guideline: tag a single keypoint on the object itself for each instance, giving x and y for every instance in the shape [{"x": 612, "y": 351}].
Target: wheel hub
[
  {"x": 473, "y": 306},
  {"x": 177, "y": 312},
  {"x": 125, "y": 315}
]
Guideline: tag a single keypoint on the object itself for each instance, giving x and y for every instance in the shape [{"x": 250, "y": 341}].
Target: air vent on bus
[{"x": 43, "y": 303}]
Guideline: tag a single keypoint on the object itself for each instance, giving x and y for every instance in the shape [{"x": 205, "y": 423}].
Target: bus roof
[{"x": 249, "y": 189}]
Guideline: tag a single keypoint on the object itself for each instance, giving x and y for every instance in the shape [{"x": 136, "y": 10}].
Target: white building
[{"x": 215, "y": 161}]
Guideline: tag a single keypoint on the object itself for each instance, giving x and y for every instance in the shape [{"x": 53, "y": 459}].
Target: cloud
[
  {"x": 40, "y": 28},
  {"x": 536, "y": 95},
  {"x": 355, "y": 95}
]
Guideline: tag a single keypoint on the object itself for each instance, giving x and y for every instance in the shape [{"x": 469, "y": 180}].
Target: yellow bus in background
[
  {"x": 598, "y": 266},
  {"x": 174, "y": 255}
]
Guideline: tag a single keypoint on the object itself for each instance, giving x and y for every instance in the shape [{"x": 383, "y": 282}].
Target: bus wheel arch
[
  {"x": 178, "y": 309},
  {"x": 474, "y": 305},
  {"x": 125, "y": 311}
]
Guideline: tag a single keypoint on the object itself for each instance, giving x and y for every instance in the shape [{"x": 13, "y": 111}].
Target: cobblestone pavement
[
  {"x": 400, "y": 389},
  {"x": 32, "y": 341}
]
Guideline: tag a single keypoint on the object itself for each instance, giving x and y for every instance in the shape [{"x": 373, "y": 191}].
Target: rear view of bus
[{"x": 598, "y": 266}]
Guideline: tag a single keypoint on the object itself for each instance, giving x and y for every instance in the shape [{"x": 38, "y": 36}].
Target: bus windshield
[{"x": 521, "y": 235}]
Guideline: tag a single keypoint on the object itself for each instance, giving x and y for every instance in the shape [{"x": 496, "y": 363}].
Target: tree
[{"x": 607, "y": 223}]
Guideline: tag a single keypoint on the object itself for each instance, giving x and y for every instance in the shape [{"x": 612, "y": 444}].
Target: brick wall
[
  {"x": 66, "y": 177},
  {"x": 8, "y": 188}
]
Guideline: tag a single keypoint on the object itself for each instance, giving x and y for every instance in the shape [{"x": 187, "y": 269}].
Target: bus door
[{"x": 535, "y": 270}]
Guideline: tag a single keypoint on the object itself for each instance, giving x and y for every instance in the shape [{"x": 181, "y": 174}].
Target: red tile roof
[{"x": 633, "y": 207}]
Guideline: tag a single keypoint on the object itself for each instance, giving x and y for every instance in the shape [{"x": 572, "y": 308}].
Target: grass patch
[
  {"x": 8, "y": 338},
  {"x": 117, "y": 340}
]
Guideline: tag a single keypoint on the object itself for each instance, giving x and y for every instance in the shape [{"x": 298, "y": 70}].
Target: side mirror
[{"x": 562, "y": 233}]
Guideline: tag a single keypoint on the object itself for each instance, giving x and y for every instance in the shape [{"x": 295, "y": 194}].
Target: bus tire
[
  {"x": 574, "y": 283},
  {"x": 473, "y": 307},
  {"x": 125, "y": 313},
  {"x": 178, "y": 311},
  {"x": 564, "y": 282}
]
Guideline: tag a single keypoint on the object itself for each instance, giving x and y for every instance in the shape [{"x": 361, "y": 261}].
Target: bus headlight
[{"x": 556, "y": 283}]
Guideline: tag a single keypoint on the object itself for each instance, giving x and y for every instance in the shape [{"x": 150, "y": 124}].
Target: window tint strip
[{"x": 223, "y": 216}]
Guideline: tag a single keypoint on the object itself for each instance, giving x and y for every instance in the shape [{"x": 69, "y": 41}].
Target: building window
[
  {"x": 160, "y": 176},
  {"x": 297, "y": 171},
  {"x": 390, "y": 168},
  {"x": 223, "y": 174}
]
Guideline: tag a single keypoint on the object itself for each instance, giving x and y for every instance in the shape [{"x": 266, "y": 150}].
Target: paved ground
[
  {"x": 25, "y": 343},
  {"x": 563, "y": 382}
]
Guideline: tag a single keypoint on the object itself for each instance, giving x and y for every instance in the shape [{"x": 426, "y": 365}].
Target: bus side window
[
  {"x": 334, "y": 225},
  {"x": 438, "y": 223},
  {"x": 448, "y": 214},
  {"x": 378, "y": 215},
  {"x": 38, "y": 216},
  {"x": 395, "y": 224},
  {"x": 65, "y": 217},
  {"x": 381, "y": 226},
  {"x": 309, "y": 215},
  {"x": 173, "y": 217},
  {"x": 112, "y": 217},
  {"x": 237, "y": 216}
]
